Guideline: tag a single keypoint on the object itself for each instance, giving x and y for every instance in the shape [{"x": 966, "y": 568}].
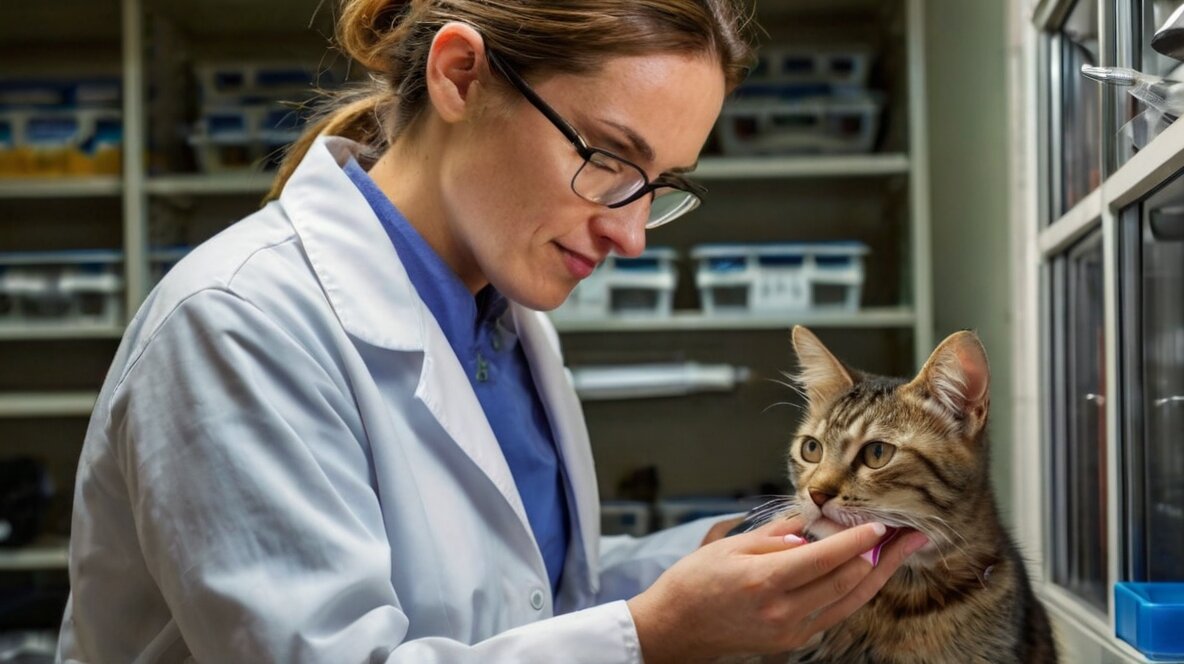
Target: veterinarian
[{"x": 341, "y": 431}]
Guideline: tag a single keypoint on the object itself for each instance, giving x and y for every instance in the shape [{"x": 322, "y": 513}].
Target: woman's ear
[{"x": 455, "y": 61}]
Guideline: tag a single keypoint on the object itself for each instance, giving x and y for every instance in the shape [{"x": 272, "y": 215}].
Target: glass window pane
[
  {"x": 1160, "y": 479},
  {"x": 1080, "y": 107},
  {"x": 1080, "y": 545}
]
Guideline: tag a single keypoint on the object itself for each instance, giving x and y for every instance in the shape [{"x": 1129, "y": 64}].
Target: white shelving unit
[
  {"x": 79, "y": 331},
  {"x": 60, "y": 187},
  {"x": 882, "y": 317},
  {"x": 35, "y": 557},
  {"x": 214, "y": 25},
  {"x": 47, "y": 404}
]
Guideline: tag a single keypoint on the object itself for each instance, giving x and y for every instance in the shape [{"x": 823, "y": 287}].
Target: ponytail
[{"x": 357, "y": 119}]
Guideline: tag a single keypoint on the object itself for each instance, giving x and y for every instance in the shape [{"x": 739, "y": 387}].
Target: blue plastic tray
[{"x": 1150, "y": 617}]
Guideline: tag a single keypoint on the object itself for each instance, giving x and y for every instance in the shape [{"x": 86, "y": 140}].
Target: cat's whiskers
[
  {"x": 933, "y": 527},
  {"x": 777, "y": 506}
]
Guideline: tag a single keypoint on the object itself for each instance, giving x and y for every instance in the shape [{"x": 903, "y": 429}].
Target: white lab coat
[{"x": 287, "y": 463}]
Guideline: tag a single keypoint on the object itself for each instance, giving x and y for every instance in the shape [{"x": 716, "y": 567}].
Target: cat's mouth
[{"x": 825, "y": 527}]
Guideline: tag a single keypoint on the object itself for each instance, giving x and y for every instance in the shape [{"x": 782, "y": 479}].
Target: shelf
[
  {"x": 47, "y": 404},
  {"x": 60, "y": 187},
  {"x": 47, "y": 555},
  {"x": 883, "y": 317},
  {"x": 814, "y": 166},
  {"x": 61, "y": 331},
  {"x": 246, "y": 182}
]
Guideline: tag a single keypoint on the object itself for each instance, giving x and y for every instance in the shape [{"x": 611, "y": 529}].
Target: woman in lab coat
[{"x": 341, "y": 430}]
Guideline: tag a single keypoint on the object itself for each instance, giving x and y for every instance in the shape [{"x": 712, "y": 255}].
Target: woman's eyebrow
[
  {"x": 642, "y": 147},
  {"x": 638, "y": 144}
]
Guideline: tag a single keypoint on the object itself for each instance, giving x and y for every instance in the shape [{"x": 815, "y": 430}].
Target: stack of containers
[
  {"x": 803, "y": 101},
  {"x": 60, "y": 127},
  {"x": 249, "y": 112}
]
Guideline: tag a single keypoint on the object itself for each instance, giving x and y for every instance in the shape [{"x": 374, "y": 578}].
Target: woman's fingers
[
  {"x": 891, "y": 559},
  {"x": 801, "y": 566}
]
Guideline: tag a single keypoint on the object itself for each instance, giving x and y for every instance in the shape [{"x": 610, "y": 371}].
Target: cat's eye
[
  {"x": 877, "y": 454},
  {"x": 811, "y": 450}
]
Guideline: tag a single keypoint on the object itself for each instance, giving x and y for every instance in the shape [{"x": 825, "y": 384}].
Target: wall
[{"x": 966, "y": 69}]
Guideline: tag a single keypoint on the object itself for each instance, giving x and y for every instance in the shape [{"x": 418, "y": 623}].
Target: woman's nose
[{"x": 624, "y": 227}]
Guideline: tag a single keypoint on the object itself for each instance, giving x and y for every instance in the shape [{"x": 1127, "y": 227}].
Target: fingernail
[
  {"x": 916, "y": 541},
  {"x": 879, "y": 528},
  {"x": 794, "y": 539}
]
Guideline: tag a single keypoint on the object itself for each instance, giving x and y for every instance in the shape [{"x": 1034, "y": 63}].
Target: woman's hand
[{"x": 761, "y": 592}]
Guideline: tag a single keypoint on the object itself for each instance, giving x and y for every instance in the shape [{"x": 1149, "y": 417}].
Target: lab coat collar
[{"x": 353, "y": 258}]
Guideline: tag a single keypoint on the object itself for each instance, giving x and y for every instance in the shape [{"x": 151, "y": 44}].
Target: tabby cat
[{"x": 914, "y": 455}]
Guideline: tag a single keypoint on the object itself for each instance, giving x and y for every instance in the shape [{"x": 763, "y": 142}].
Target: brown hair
[{"x": 391, "y": 39}]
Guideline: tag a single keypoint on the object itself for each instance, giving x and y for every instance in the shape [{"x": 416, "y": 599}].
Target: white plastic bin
[
  {"x": 819, "y": 125},
  {"x": 629, "y": 287},
  {"x": 815, "y": 70},
  {"x": 246, "y": 82},
  {"x": 625, "y": 517},
  {"x": 236, "y": 137},
  {"x": 779, "y": 277},
  {"x": 61, "y": 287}
]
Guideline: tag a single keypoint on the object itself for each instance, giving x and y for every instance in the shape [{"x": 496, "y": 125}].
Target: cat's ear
[
  {"x": 957, "y": 378},
  {"x": 822, "y": 375}
]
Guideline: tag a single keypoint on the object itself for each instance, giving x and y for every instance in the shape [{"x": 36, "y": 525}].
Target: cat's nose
[{"x": 820, "y": 497}]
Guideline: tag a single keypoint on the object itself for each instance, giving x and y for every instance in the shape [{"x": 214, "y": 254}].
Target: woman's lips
[{"x": 579, "y": 265}]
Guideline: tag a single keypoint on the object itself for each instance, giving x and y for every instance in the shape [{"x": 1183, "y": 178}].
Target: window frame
[{"x": 1042, "y": 237}]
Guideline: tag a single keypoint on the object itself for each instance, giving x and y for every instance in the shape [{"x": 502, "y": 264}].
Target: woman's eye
[
  {"x": 811, "y": 450},
  {"x": 877, "y": 454},
  {"x": 604, "y": 163}
]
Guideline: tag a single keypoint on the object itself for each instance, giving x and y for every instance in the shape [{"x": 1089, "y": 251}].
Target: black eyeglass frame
[{"x": 586, "y": 151}]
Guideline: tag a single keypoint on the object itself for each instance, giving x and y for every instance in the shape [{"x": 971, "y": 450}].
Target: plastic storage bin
[
  {"x": 634, "y": 287},
  {"x": 1150, "y": 617},
  {"x": 624, "y": 517},
  {"x": 61, "y": 287},
  {"x": 253, "y": 82},
  {"x": 61, "y": 142},
  {"x": 814, "y": 71},
  {"x": 775, "y": 278},
  {"x": 60, "y": 127},
  {"x": 817, "y": 125},
  {"x": 676, "y": 511},
  {"x": 249, "y": 112},
  {"x": 235, "y": 138}
]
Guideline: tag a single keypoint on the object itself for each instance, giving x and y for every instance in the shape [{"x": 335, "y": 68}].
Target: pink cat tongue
[{"x": 873, "y": 555}]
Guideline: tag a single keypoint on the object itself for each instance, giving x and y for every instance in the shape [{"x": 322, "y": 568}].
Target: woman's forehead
[{"x": 670, "y": 101}]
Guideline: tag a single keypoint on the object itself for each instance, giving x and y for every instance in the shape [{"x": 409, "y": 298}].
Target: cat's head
[{"x": 905, "y": 453}]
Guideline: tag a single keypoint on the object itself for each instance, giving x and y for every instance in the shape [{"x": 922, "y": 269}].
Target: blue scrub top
[{"x": 497, "y": 369}]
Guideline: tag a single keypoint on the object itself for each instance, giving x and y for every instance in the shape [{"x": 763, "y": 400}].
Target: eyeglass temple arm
[{"x": 523, "y": 87}]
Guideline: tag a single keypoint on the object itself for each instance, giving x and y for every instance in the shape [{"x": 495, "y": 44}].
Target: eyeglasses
[{"x": 606, "y": 178}]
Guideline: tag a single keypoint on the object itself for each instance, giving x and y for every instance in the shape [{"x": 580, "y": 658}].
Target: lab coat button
[{"x": 536, "y": 599}]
